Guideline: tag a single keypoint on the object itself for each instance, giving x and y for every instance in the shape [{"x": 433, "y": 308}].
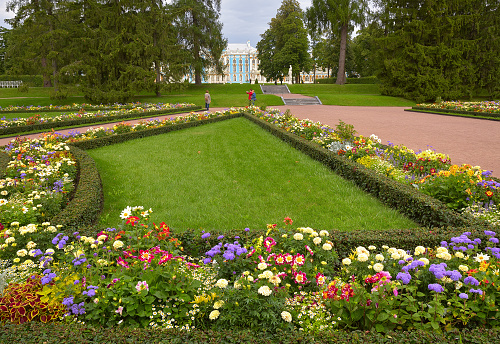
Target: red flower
[
  {"x": 132, "y": 220},
  {"x": 287, "y": 221}
]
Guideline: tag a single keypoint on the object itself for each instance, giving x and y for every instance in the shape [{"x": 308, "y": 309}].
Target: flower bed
[
  {"x": 72, "y": 107},
  {"x": 485, "y": 109},
  {"x": 38, "y": 122},
  {"x": 287, "y": 278},
  {"x": 281, "y": 278}
]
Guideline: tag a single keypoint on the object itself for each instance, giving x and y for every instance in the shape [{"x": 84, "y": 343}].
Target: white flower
[
  {"x": 218, "y": 304},
  {"x": 117, "y": 244},
  {"x": 378, "y": 267},
  {"x": 362, "y": 257},
  {"x": 22, "y": 253},
  {"x": 379, "y": 257},
  {"x": 395, "y": 256},
  {"x": 317, "y": 240},
  {"x": 222, "y": 283},
  {"x": 214, "y": 314},
  {"x": 463, "y": 268},
  {"x": 459, "y": 254},
  {"x": 262, "y": 266},
  {"x": 425, "y": 260},
  {"x": 265, "y": 290},
  {"x": 126, "y": 213},
  {"x": 361, "y": 249},
  {"x": 324, "y": 233},
  {"x": 481, "y": 257},
  {"x": 392, "y": 250},
  {"x": 250, "y": 278},
  {"x": 49, "y": 251},
  {"x": 419, "y": 250},
  {"x": 371, "y": 248},
  {"x": 286, "y": 316},
  {"x": 327, "y": 247},
  {"x": 275, "y": 280},
  {"x": 346, "y": 261},
  {"x": 30, "y": 245},
  {"x": 441, "y": 250},
  {"x": 298, "y": 236},
  {"x": 385, "y": 247},
  {"x": 266, "y": 275}
]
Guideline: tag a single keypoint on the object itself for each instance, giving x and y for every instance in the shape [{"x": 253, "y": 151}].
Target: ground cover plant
[
  {"x": 110, "y": 278},
  {"x": 232, "y": 174},
  {"x": 476, "y": 107}
]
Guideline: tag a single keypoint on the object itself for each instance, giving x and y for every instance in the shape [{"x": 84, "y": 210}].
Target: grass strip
[{"x": 232, "y": 174}]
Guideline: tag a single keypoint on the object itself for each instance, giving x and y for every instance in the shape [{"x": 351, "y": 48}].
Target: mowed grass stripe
[{"x": 232, "y": 174}]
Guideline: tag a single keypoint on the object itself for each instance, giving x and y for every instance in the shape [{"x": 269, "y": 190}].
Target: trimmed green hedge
[
  {"x": 91, "y": 120},
  {"x": 36, "y": 333},
  {"x": 495, "y": 116},
  {"x": 86, "y": 204},
  {"x": 363, "y": 80},
  {"x": 4, "y": 161}
]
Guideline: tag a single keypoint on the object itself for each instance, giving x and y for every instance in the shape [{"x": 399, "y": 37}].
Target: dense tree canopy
[
  {"x": 114, "y": 48},
  {"x": 447, "y": 49},
  {"x": 337, "y": 18},
  {"x": 285, "y": 44}
]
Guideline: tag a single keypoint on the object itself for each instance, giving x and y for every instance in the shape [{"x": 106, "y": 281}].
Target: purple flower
[
  {"x": 438, "y": 288},
  {"x": 494, "y": 240},
  {"x": 220, "y": 237},
  {"x": 401, "y": 262},
  {"x": 205, "y": 235},
  {"x": 404, "y": 277},
  {"x": 207, "y": 260},
  {"x": 444, "y": 244},
  {"x": 455, "y": 275},
  {"x": 490, "y": 233},
  {"x": 247, "y": 229},
  {"x": 477, "y": 291},
  {"x": 463, "y": 296},
  {"x": 229, "y": 255},
  {"x": 471, "y": 280}
]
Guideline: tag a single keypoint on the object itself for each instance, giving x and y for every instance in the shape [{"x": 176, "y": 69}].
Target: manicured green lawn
[{"x": 232, "y": 174}]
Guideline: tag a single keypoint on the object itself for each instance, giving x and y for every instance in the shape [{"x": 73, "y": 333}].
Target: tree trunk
[
  {"x": 54, "y": 75},
  {"x": 46, "y": 77},
  {"x": 343, "y": 45},
  {"x": 196, "y": 53}
]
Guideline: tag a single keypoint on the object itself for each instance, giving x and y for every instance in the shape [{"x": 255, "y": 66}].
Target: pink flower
[
  {"x": 299, "y": 259},
  {"x": 119, "y": 310},
  {"x": 122, "y": 262},
  {"x": 165, "y": 258},
  {"x": 320, "y": 279},
  {"x": 146, "y": 256},
  {"x": 300, "y": 277},
  {"x": 269, "y": 243},
  {"x": 309, "y": 250},
  {"x": 141, "y": 285}
]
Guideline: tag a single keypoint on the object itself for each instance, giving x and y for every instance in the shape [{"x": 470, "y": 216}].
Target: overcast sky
[{"x": 243, "y": 20}]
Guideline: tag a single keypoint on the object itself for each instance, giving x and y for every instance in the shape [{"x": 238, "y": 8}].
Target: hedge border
[
  {"x": 449, "y": 112},
  {"x": 93, "y": 120},
  {"x": 60, "y": 333}
]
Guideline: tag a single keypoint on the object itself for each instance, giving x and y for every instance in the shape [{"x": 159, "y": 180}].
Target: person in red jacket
[{"x": 250, "y": 96}]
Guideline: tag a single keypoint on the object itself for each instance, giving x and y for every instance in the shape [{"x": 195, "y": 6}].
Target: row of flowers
[
  {"x": 137, "y": 276},
  {"x": 464, "y": 188},
  {"x": 117, "y": 110},
  {"x": 484, "y": 106}
]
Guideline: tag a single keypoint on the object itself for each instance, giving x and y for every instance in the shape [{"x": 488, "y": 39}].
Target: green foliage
[
  {"x": 20, "y": 303},
  {"x": 345, "y": 131},
  {"x": 284, "y": 44},
  {"x": 439, "y": 49}
]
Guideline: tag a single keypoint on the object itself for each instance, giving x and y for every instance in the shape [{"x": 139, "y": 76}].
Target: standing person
[
  {"x": 208, "y": 99},
  {"x": 250, "y": 97},
  {"x": 254, "y": 98}
]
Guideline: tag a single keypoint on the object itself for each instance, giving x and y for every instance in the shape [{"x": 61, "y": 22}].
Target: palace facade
[{"x": 241, "y": 66}]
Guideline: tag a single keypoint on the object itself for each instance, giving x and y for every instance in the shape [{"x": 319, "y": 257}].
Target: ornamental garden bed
[
  {"x": 437, "y": 278},
  {"x": 485, "y": 110}
]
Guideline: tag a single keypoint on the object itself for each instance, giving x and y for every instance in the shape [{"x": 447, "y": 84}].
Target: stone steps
[
  {"x": 274, "y": 89},
  {"x": 302, "y": 101}
]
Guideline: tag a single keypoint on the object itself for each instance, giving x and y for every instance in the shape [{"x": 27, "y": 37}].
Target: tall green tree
[
  {"x": 446, "y": 49},
  {"x": 38, "y": 38},
  {"x": 285, "y": 44},
  {"x": 339, "y": 17},
  {"x": 3, "y": 48},
  {"x": 200, "y": 33}
]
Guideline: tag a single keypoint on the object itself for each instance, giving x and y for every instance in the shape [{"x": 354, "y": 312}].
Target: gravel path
[{"x": 465, "y": 140}]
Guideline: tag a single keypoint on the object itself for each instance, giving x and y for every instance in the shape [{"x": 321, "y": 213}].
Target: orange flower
[{"x": 489, "y": 193}]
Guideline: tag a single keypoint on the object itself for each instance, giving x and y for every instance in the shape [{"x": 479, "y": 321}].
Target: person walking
[
  {"x": 250, "y": 97},
  {"x": 254, "y": 98},
  {"x": 208, "y": 99}
]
